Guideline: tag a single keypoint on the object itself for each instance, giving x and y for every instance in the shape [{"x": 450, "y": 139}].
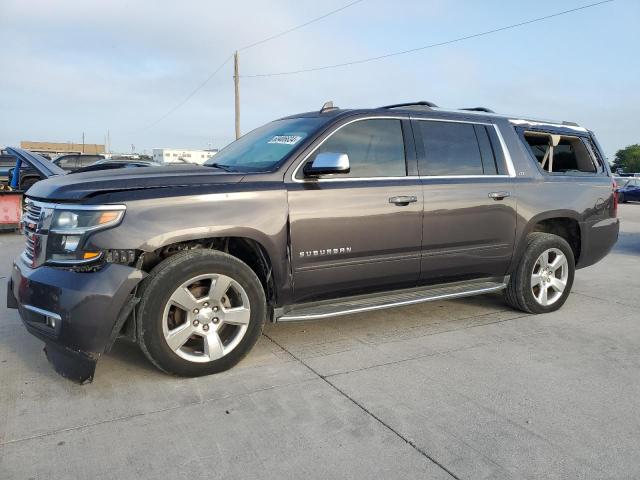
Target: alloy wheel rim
[
  {"x": 206, "y": 317},
  {"x": 549, "y": 277}
]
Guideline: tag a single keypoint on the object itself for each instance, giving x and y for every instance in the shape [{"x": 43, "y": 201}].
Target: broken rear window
[{"x": 564, "y": 154}]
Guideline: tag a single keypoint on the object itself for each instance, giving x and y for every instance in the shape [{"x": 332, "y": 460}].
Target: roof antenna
[{"x": 327, "y": 107}]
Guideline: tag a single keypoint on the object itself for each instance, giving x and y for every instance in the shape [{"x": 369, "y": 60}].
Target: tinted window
[
  {"x": 375, "y": 148},
  {"x": 450, "y": 149},
  {"x": 264, "y": 148},
  {"x": 67, "y": 163},
  {"x": 86, "y": 160},
  {"x": 7, "y": 161}
]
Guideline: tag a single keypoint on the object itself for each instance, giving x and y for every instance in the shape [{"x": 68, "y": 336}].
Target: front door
[
  {"x": 360, "y": 230},
  {"x": 469, "y": 200}
]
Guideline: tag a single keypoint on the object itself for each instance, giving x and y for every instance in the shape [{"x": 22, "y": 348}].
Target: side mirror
[{"x": 327, "y": 163}]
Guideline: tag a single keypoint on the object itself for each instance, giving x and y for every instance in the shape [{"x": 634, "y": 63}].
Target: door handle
[
  {"x": 499, "y": 195},
  {"x": 403, "y": 200}
]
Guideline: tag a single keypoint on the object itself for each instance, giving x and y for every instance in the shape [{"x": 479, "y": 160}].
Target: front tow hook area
[{"x": 79, "y": 367}]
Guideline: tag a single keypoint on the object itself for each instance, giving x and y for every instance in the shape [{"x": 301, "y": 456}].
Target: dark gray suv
[{"x": 308, "y": 217}]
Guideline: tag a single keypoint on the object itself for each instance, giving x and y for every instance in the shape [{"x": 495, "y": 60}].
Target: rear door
[
  {"x": 469, "y": 200},
  {"x": 350, "y": 232}
]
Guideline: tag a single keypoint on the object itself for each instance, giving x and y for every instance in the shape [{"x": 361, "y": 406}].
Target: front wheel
[
  {"x": 621, "y": 198},
  {"x": 544, "y": 277},
  {"x": 200, "y": 312}
]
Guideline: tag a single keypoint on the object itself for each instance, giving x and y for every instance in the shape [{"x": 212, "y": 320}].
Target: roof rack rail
[
  {"x": 570, "y": 124},
  {"x": 478, "y": 109},
  {"x": 422, "y": 103}
]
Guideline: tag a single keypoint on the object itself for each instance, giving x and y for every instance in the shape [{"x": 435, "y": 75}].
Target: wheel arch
[
  {"x": 564, "y": 223},
  {"x": 250, "y": 250},
  {"x": 247, "y": 249}
]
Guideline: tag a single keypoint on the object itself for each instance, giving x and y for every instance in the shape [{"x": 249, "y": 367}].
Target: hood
[
  {"x": 46, "y": 168},
  {"x": 77, "y": 186}
]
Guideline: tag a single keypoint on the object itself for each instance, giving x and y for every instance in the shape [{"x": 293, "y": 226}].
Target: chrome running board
[{"x": 379, "y": 301}]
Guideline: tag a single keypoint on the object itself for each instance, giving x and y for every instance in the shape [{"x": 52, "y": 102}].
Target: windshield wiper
[{"x": 226, "y": 168}]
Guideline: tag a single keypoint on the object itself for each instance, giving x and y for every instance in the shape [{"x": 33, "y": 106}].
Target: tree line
[{"x": 627, "y": 159}]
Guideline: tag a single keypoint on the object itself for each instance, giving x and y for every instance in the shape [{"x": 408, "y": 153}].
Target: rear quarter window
[{"x": 563, "y": 154}]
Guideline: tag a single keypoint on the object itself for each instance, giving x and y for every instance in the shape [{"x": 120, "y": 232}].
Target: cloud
[{"x": 89, "y": 66}]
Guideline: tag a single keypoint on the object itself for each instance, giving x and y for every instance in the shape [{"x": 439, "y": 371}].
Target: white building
[{"x": 174, "y": 155}]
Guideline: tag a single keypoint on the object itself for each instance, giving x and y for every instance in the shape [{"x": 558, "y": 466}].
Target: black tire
[
  {"x": 158, "y": 287},
  {"x": 519, "y": 293},
  {"x": 621, "y": 198}
]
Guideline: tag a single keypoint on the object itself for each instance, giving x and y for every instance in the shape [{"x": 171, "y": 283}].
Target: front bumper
[{"x": 76, "y": 314}]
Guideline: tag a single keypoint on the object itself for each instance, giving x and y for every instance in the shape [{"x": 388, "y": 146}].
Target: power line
[
  {"x": 188, "y": 97},
  {"x": 433, "y": 45},
  {"x": 277, "y": 35},
  {"x": 264, "y": 40}
]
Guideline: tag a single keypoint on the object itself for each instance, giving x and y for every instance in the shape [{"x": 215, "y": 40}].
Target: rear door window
[{"x": 454, "y": 148}]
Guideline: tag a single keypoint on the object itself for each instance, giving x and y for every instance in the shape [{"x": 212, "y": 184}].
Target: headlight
[
  {"x": 70, "y": 227},
  {"x": 81, "y": 221}
]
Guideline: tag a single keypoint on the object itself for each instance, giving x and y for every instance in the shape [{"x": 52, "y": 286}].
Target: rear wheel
[
  {"x": 544, "y": 277},
  {"x": 201, "y": 311}
]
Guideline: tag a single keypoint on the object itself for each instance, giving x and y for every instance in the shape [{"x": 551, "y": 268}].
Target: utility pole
[{"x": 236, "y": 81}]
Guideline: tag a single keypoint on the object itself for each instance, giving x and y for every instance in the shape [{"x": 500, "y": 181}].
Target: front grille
[
  {"x": 30, "y": 246},
  {"x": 32, "y": 212},
  {"x": 32, "y": 223}
]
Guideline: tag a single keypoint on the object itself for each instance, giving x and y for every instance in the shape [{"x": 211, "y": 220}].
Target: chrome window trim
[
  {"x": 534, "y": 123},
  {"x": 451, "y": 177},
  {"x": 505, "y": 151},
  {"x": 41, "y": 311},
  {"x": 349, "y": 179}
]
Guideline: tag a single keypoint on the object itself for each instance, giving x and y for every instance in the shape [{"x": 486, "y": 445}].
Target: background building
[
  {"x": 60, "y": 147},
  {"x": 173, "y": 155}
]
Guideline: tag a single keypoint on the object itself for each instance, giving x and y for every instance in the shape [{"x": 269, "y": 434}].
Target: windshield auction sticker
[{"x": 286, "y": 139}]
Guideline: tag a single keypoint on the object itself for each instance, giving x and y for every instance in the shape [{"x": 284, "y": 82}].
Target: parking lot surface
[{"x": 466, "y": 389}]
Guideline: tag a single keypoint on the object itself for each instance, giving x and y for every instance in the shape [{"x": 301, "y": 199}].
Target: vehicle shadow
[{"x": 128, "y": 354}]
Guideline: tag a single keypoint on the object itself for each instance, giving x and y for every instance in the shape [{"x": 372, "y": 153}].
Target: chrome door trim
[
  {"x": 350, "y": 179},
  {"x": 505, "y": 151}
]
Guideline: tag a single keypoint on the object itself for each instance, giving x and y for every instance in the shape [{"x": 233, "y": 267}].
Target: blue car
[{"x": 628, "y": 189}]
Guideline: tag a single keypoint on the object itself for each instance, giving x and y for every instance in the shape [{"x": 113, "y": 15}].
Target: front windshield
[{"x": 264, "y": 148}]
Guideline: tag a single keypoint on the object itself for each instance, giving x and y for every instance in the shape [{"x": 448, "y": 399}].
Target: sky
[{"x": 68, "y": 67}]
